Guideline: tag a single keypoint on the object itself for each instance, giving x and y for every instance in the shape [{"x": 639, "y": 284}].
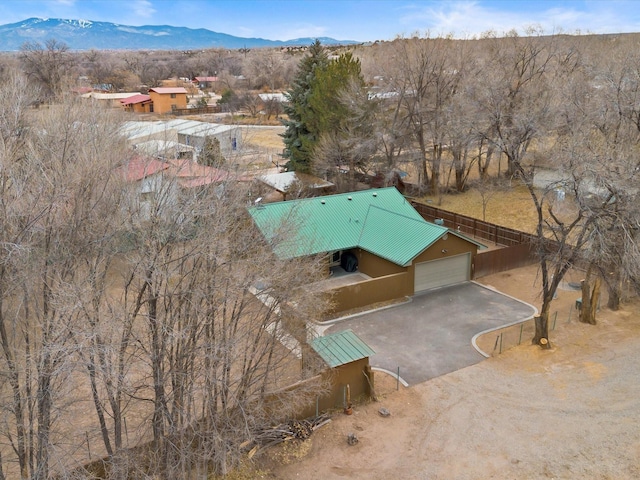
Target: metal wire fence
[{"x": 500, "y": 340}]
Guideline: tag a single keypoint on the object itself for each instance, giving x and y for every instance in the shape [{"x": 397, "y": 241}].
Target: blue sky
[{"x": 360, "y": 20}]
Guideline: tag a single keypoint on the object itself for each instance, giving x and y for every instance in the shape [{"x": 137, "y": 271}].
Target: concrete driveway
[{"x": 431, "y": 335}]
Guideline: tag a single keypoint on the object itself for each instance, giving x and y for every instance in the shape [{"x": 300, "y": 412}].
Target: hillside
[{"x": 87, "y": 35}]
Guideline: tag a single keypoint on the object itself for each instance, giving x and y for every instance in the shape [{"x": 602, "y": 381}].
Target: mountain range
[{"x": 87, "y": 35}]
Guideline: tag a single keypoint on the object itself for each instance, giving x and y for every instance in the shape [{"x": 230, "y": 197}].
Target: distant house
[
  {"x": 229, "y": 136},
  {"x": 191, "y": 174},
  {"x": 205, "y": 82},
  {"x": 273, "y": 97},
  {"x": 167, "y": 99},
  {"x": 146, "y": 178},
  {"x": 137, "y": 104},
  {"x": 375, "y": 234},
  {"x": 187, "y": 135},
  {"x": 110, "y": 100},
  {"x": 165, "y": 149},
  {"x": 154, "y": 181},
  {"x": 294, "y": 184}
]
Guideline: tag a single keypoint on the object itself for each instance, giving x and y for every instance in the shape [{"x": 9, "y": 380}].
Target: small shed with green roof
[
  {"x": 379, "y": 232},
  {"x": 340, "y": 348},
  {"x": 348, "y": 357}
]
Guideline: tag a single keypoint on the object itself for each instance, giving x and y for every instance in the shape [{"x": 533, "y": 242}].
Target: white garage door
[{"x": 439, "y": 273}]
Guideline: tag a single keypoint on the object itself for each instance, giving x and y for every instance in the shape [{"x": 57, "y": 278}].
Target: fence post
[{"x": 520, "y": 339}]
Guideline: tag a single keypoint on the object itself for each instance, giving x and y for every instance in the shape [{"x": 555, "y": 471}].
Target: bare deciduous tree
[
  {"x": 354, "y": 143},
  {"x": 265, "y": 69},
  {"x": 428, "y": 76},
  {"x": 515, "y": 98},
  {"x": 47, "y": 65},
  {"x": 167, "y": 309}
]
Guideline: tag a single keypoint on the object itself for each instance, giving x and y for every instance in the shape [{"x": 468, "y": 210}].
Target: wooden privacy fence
[
  {"x": 503, "y": 259},
  {"x": 504, "y": 236},
  {"x": 518, "y": 246}
]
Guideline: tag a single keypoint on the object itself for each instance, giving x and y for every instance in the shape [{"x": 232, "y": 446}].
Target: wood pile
[{"x": 292, "y": 430}]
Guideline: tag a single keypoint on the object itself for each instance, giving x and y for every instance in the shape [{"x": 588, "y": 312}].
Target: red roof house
[{"x": 138, "y": 104}]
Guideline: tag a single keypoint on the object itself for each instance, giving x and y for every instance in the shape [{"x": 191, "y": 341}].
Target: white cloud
[
  {"x": 464, "y": 19},
  {"x": 142, "y": 8},
  {"x": 472, "y": 18}
]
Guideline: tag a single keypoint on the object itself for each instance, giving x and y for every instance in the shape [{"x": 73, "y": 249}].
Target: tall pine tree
[
  {"x": 316, "y": 108},
  {"x": 299, "y": 140},
  {"x": 342, "y": 114},
  {"x": 326, "y": 112}
]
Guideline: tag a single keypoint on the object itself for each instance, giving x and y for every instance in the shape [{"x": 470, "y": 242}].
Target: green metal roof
[
  {"x": 341, "y": 348},
  {"x": 380, "y": 221},
  {"x": 396, "y": 237}
]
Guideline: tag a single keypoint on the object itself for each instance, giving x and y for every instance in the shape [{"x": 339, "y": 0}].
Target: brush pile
[{"x": 292, "y": 430}]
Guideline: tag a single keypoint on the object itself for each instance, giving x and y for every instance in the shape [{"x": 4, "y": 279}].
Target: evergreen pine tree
[
  {"x": 326, "y": 113},
  {"x": 298, "y": 138}
]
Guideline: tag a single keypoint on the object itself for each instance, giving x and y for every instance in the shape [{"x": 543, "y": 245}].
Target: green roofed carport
[{"x": 341, "y": 348}]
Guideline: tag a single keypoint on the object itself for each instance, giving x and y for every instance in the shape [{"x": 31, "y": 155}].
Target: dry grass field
[
  {"x": 264, "y": 137},
  {"x": 511, "y": 208}
]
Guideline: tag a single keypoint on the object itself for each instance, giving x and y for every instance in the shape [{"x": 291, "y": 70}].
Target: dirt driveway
[
  {"x": 566, "y": 413},
  {"x": 431, "y": 335}
]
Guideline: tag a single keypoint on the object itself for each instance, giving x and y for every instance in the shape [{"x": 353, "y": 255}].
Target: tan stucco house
[
  {"x": 374, "y": 233},
  {"x": 167, "y": 99}
]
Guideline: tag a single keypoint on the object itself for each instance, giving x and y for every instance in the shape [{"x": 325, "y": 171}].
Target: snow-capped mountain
[{"x": 87, "y": 34}]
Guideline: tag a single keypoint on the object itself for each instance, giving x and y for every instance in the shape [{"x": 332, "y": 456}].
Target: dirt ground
[{"x": 565, "y": 413}]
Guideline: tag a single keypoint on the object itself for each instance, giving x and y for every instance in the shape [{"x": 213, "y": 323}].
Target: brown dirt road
[{"x": 566, "y": 413}]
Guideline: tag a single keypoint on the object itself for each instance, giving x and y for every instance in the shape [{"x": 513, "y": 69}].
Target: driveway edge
[
  {"x": 475, "y": 337},
  {"x": 393, "y": 374}
]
